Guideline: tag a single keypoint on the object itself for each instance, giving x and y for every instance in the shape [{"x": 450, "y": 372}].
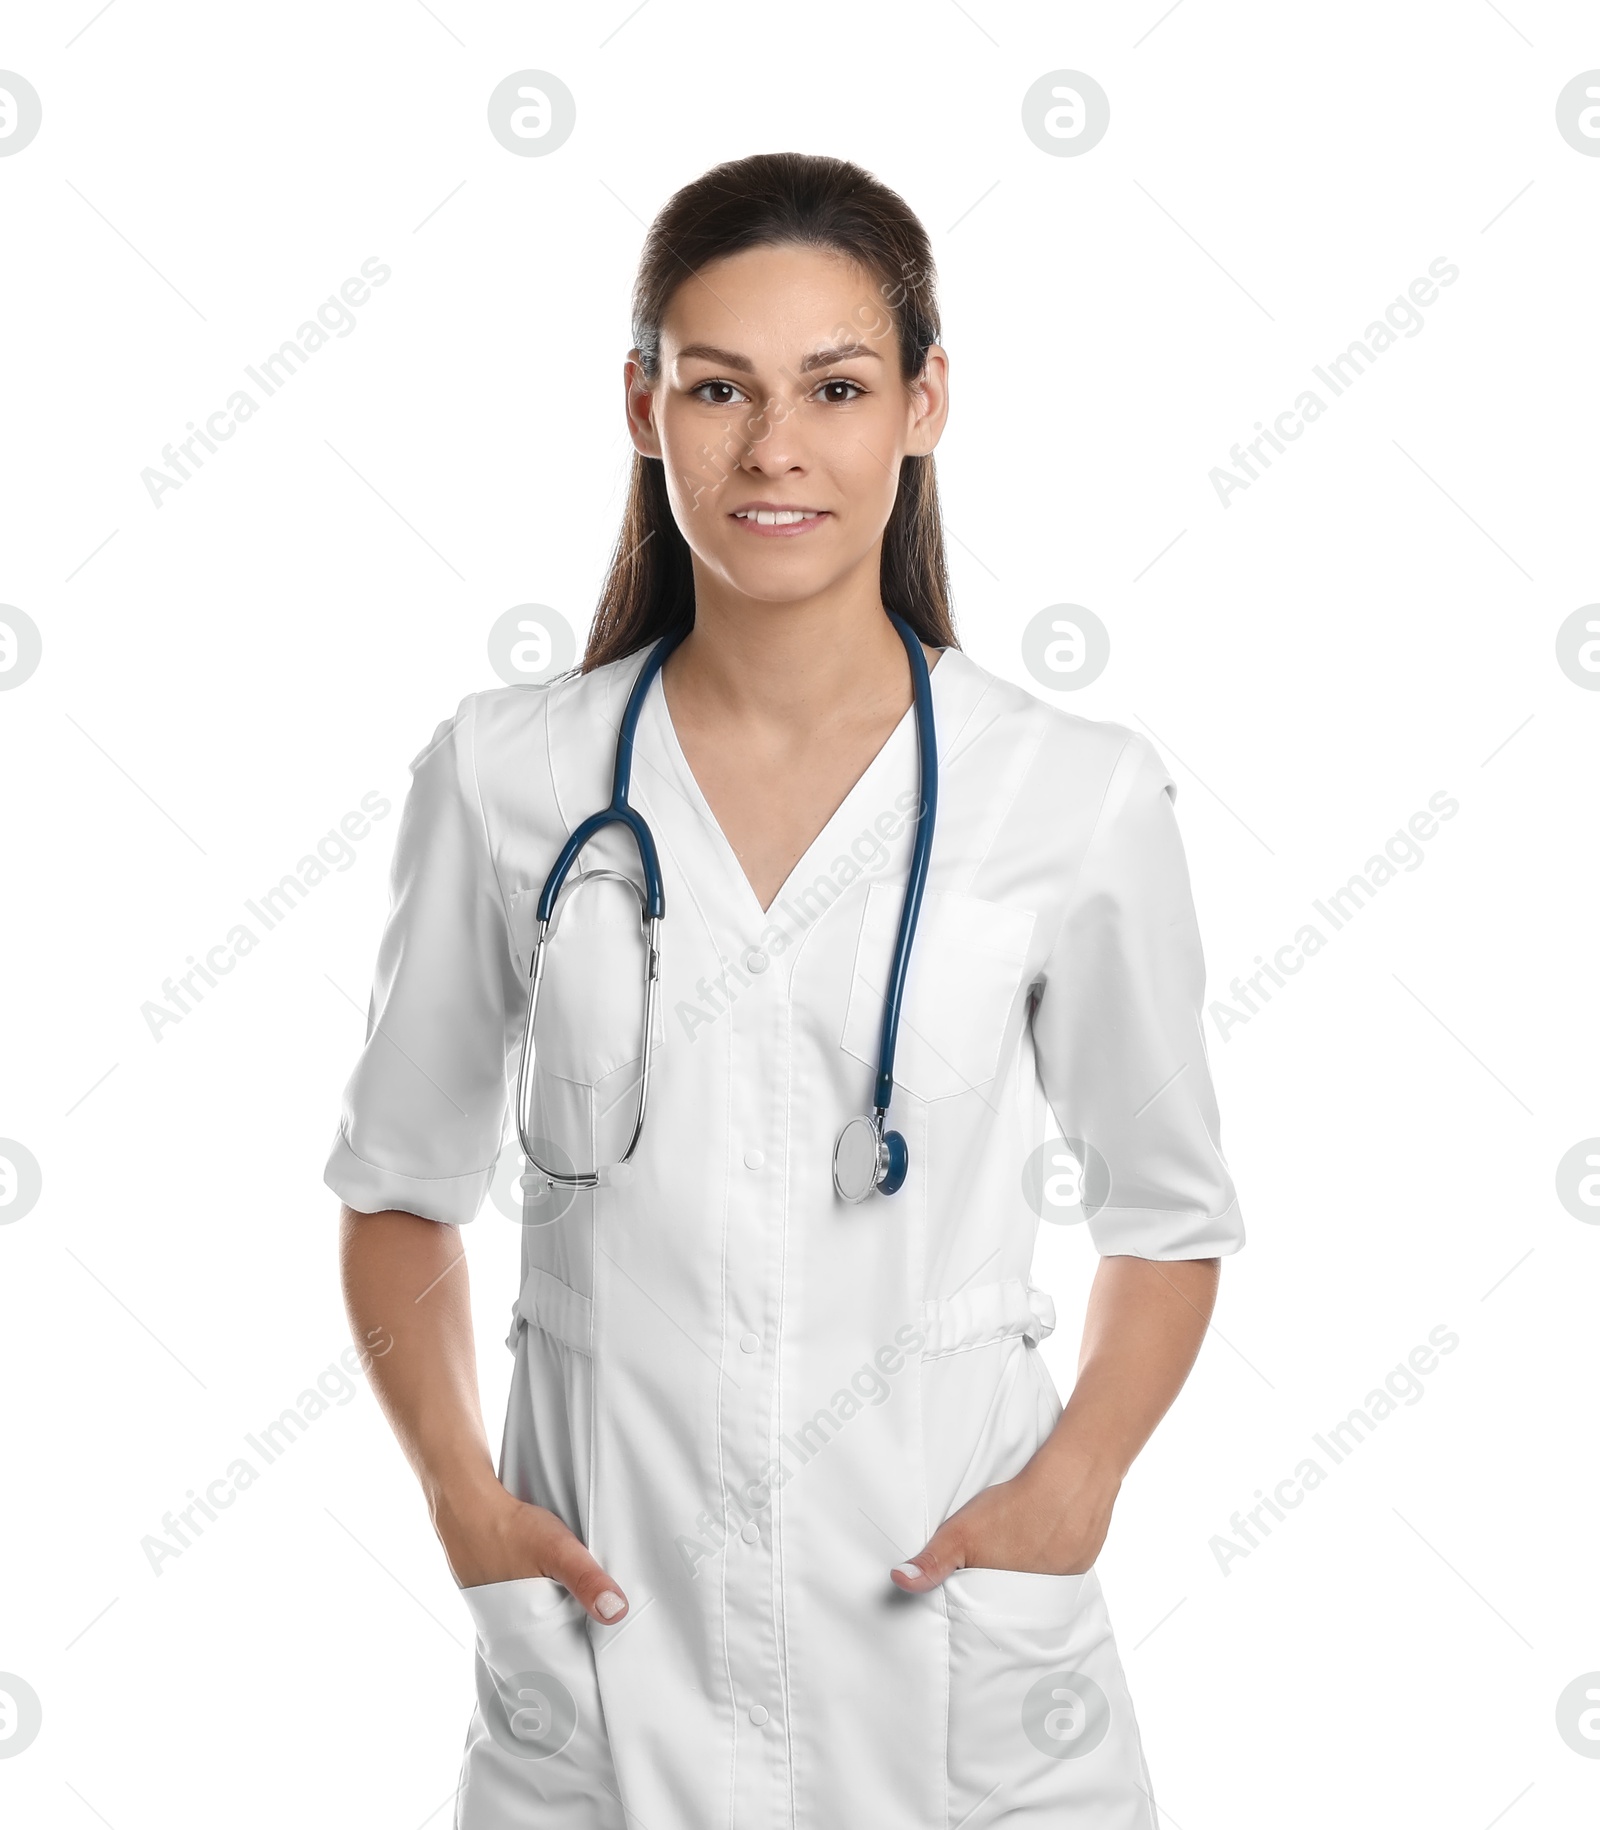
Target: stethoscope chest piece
[{"x": 866, "y": 1157}]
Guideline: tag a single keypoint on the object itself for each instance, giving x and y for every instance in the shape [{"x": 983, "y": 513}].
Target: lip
[{"x": 788, "y": 532}]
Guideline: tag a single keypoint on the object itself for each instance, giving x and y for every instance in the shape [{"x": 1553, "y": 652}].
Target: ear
[
  {"x": 929, "y": 397},
  {"x": 638, "y": 407}
]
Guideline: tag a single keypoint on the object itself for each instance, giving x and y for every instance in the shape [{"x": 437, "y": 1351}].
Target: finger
[
  {"x": 929, "y": 1567},
  {"x": 568, "y": 1560}
]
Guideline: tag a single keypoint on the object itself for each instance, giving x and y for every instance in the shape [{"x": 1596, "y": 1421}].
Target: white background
[{"x": 1372, "y": 621}]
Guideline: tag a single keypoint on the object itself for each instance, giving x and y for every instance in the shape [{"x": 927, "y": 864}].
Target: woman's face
[{"x": 780, "y": 390}]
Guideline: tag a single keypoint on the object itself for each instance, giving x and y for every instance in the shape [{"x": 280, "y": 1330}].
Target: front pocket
[
  {"x": 538, "y": 1735},
  {"x": 962, "y": 983},
  {"x": 1040, "y": 1716}
]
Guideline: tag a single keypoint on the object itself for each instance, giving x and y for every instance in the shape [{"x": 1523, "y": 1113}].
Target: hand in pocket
[
  {"x": 1051, "y": 1520},
  {"x": 506, "y": 1539}
]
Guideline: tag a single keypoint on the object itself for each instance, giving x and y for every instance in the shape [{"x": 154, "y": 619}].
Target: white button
[
  {"x": 755, "y": 961},
  {"x": 750, "y": 1531},
  {"x": 753, "y": 1158},
  {"x": 757, "y": 1714},
  {"x": 749, "y": 1342}
]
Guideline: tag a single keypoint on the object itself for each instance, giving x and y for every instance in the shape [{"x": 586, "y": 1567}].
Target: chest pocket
[
  {"x": 965, "y": 972},
  {"x": 591, "y": 1003}
]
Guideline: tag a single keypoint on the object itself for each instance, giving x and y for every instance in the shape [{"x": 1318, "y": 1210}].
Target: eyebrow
[{"x": 820, "y": 359}]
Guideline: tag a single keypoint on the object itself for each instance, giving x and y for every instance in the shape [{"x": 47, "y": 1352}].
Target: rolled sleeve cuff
[
  {"x": 370, "y": 1189},
  {"x": 1152, "y": 1232}
]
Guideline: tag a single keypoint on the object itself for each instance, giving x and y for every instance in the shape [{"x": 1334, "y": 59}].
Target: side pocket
[
  {"x": 537, "y": 1742},
  {"x": 1040, "y": 1716}
]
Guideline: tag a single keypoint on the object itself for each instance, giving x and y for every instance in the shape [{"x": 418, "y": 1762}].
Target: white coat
[{"x": 748, "y": 1398}]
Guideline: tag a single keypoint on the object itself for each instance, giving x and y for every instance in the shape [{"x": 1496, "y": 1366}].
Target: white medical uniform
[{"x": 748, "y": 1398}]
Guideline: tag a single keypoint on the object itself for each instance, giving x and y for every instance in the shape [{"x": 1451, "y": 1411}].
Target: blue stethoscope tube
[
  {"x": 619, "y": 812},
  {"x": 866, "y": 1157}
]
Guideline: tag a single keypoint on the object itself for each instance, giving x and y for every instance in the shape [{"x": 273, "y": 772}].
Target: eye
[
  {"x": 697, "y": 392},
  {"x": 841, "y": 381}
]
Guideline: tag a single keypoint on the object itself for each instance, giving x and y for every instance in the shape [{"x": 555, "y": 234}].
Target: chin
[{"x": 781, "y": 592}]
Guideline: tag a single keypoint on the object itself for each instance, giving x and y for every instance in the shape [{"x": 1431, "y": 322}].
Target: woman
[{"x": 789, "y": 1525}]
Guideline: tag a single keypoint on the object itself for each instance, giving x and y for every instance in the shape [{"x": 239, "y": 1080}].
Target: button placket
[{"x": 753, "y": 1259}]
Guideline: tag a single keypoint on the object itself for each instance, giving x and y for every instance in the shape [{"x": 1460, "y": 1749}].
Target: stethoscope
[{"x": 865, "y": 1155}]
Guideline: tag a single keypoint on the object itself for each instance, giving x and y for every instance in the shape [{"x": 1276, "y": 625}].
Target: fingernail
[
  {"x": 909, "y": 1569},
  {"x": 610, "y": 1605}
]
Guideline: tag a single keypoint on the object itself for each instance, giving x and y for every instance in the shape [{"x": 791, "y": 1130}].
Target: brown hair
[{"x": 769, "y": 199}]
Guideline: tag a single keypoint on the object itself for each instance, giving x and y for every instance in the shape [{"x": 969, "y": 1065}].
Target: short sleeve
[
  {"x": 424, "y": 1110},
  {"x": 1117, "y": 1026}
]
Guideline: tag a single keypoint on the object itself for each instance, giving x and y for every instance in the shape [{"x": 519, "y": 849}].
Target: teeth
[{"x": 775, "y": 517}]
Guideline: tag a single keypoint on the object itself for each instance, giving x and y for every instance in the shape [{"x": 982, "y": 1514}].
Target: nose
[{"x": 773, "y": 445}]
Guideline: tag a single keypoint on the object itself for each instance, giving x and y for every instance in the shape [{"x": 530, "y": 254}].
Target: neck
[{"x": 793, "y": 664}]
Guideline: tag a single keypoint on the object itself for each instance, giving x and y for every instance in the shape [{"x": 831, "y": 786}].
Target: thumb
[
  {"x": 568, "y": 1560},
  {"x": 928, "y": 1568}
]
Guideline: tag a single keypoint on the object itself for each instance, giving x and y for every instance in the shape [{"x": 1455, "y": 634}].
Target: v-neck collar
[{"x": 656, "y": 709}]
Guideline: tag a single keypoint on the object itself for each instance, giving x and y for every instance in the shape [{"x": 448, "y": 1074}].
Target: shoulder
[
  {"x": 511, "y": 725},
  {"x": 520, "y": 755},
  {"x": 1093, "y": 754}
]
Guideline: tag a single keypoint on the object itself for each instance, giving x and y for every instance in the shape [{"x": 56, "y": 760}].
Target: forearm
[
  {"x": 1145, "y": 1322},
  {"x": 408, "y": 1277},
  {"x": 1142, "y": 1332}
]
